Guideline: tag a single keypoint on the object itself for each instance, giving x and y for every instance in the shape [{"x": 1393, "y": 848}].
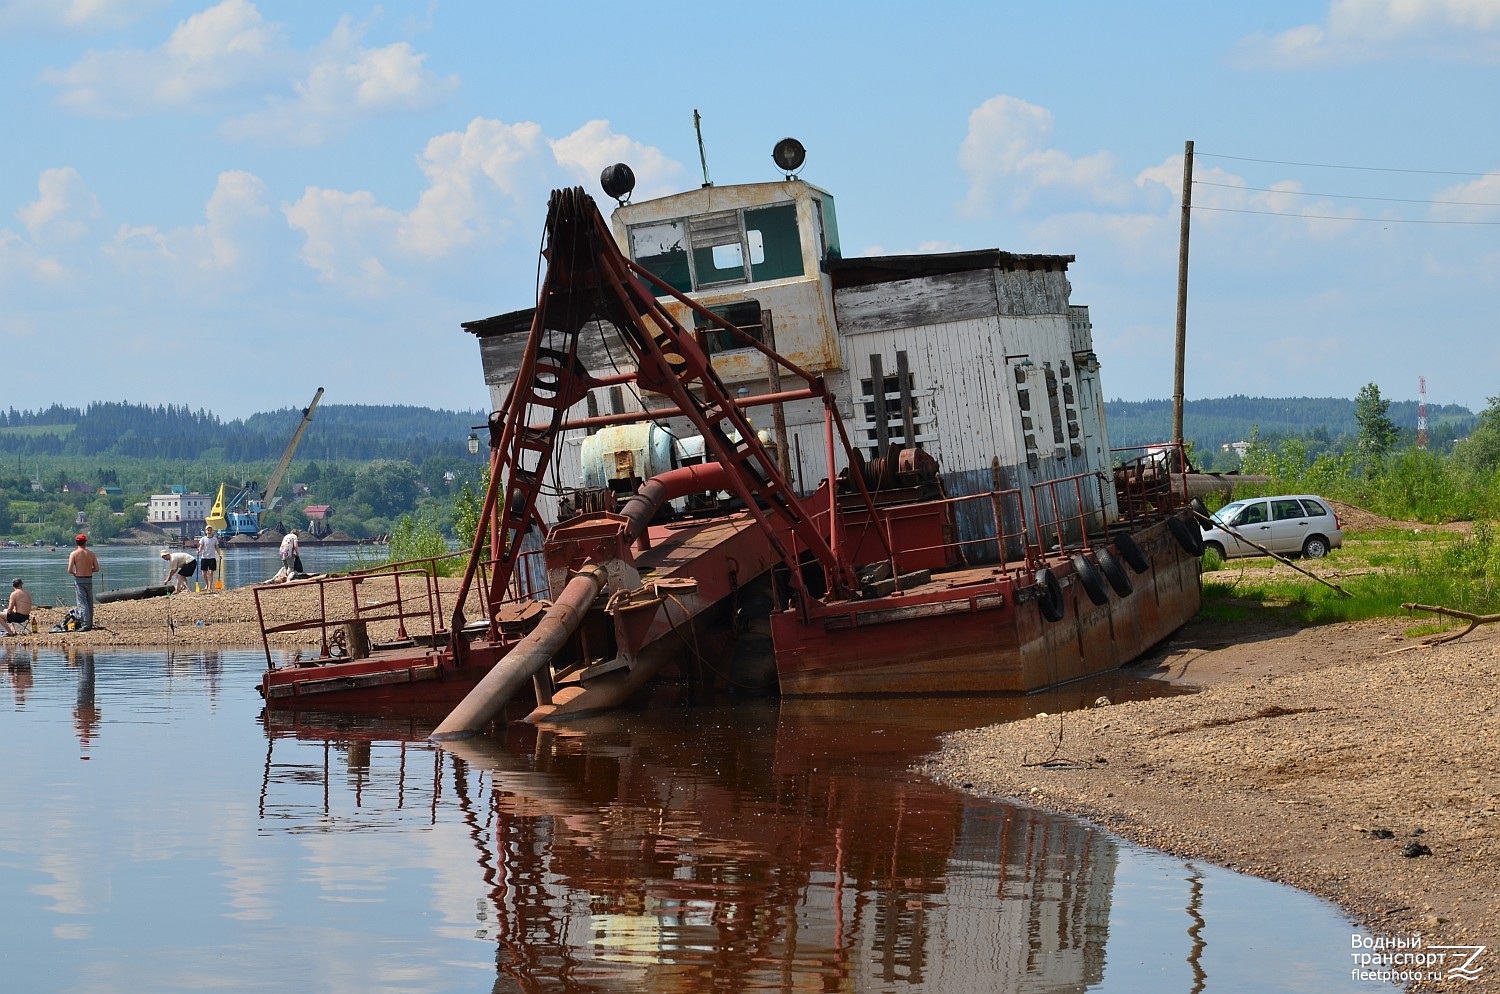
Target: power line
[
  {"x": 1325, "y": 165},
  {"x": 1336, "y": 217},
  {"x": 1350, "y": 196}
]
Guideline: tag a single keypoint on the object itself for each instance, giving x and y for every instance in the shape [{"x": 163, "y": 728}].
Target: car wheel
[
  {"x": 1316, "y": 547},
  {"x": 1216, "y": 549}
]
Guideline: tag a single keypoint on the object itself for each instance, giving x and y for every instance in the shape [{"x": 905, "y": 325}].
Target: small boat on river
[{"x": 926, "y": 502}]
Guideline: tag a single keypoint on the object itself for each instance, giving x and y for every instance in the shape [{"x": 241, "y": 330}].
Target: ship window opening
[
  {"x": 718, "y": 252},
  {"x": 754, "y": 244},
  {"x": 661, "y": 247},
  {"x": 829, "y": 234},
  {"x": 743, "y": 314},
  {"x": 775, "y": 247}
]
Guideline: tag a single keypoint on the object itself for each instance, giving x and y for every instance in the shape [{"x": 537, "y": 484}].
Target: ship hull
[{"x": 980, "y": 632}]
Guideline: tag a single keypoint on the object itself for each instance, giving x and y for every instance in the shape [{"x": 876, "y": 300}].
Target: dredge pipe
[
  {"x": 536, "y": 650},
  {"x": 642, "y": 507}
]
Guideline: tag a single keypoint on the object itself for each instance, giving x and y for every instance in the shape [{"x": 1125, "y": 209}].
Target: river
[
  {"x": 45, "y": 570},
  {"x": 159, "y": 833}
]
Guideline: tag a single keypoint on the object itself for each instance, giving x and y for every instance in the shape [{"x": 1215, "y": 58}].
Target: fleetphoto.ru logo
[{"x": 1406, "y": 959}]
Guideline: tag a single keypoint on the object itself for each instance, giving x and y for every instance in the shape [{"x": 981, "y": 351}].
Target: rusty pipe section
[
  {"x": 536, "y": 650},
  {"x": 642, "y": 507}
]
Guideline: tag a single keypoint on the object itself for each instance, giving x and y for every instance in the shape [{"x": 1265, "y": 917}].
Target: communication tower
[{"x": 1421, "y": 412}]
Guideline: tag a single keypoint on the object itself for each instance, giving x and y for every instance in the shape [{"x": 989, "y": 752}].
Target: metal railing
[
  {"x": 405, "y": 599},
  {"x": 1152, "y": 483},
  {"x": 1067, "y": 523}
]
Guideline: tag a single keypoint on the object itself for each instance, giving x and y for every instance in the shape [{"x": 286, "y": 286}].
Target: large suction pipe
[
  {"x": 536, "y": 650},
  {"x": 641, "y": 508}
]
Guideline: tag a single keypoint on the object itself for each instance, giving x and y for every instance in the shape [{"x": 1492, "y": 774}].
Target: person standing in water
[{"x": 84, "y": 566}]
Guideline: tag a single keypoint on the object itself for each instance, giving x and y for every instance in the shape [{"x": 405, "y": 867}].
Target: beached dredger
[{"x": 742, "y": 459}]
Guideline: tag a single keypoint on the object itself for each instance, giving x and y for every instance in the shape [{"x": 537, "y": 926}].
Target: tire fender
[
  {"x": 1113, "y": 571},
  {"x": 1131, "y": 552},
  {"x": 1049, "y": 595},
  {"x": 1190, "y": 537},
  {"x": 1093, "y": 583}
]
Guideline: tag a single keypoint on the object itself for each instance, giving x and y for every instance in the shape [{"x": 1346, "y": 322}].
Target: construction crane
[{"x": 228, "y": 519}]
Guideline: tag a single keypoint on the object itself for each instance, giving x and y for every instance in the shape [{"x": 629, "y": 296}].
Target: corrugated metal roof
[{"x": 890, "y": 268}]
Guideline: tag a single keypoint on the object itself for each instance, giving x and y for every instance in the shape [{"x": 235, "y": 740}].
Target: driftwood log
[{"x": 1474, "y": 620}]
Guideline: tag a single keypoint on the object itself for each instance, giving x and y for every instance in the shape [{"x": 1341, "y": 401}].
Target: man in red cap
[{"x": 83, "y": 564}]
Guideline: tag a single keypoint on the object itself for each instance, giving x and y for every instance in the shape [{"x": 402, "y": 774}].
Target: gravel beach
[{"x": 1346, "y": 760}]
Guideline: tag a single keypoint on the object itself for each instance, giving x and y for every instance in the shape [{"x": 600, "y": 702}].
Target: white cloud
[
  {"x": 214, "y": 54},
  {"x": 73, "y": 15},
  {"x": 1006, "y": 155},
  {"x": 1476, "y": 200},
  {"x": 479, "y": 182},
  {"x": 64, "y": 209},
  {"x": 228, "y": 57},
  {"x": 344, "y": 82},
  {"x": 345, "y": 236},
  {"x": 1220, "y": 192},
  {"x": 234, "y": 218},
  {"x": 1369, "y": 30}
]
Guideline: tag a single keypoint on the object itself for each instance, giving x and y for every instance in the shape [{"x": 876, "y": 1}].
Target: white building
[{"x": 181, "y": 513}]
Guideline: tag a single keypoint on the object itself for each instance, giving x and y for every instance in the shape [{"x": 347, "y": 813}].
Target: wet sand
[{"x": 1317, "y": 757}]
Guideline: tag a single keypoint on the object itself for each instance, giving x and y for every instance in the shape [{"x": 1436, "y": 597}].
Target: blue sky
[{"x": 228, "y": 205}]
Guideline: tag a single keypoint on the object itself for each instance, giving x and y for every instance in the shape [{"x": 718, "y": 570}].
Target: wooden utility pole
[{"x": 1182, "y": 280}]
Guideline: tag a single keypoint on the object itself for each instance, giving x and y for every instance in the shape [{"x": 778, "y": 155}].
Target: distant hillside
[
  {"x": 337, "y": 431},
  {"x": 1212, "y": 423}
]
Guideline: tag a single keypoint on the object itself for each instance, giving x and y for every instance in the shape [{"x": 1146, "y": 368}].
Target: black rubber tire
[
  {"x": 1316, "y": 547},
  {"x": 1190, "y": 537},
  {"x": 1131, "y": 553},
  {"x": 1051, "y": 596},
  {"x": 1093, "y": 583},
  {"x": 1113, "y": 571},
  {"x": 1215, "y": 548},
  {"x": 1199, "y": 508}
]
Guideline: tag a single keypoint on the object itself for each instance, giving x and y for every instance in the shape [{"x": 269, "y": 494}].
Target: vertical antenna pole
[
  {"x": 702, "y": 156},
  {"x": 1182, "y": 280}
]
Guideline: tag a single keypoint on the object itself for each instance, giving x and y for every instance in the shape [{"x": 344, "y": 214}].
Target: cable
[
  {"x": 1351, "y": 196},
  {"x": 1335, "y": 217},
  {"x": 1325, "y": 165}
]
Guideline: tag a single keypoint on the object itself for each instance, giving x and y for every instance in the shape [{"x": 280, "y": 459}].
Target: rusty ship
[{"x": 724, "y": 451}]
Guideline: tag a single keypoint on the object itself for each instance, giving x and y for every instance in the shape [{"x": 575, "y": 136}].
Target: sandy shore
[
  {"x": 1348, "y": 761},
  {"x": 229, "y": 617}
]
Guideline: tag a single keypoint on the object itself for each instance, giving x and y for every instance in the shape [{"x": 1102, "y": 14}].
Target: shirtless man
[
  {"x": 84, "y": 566},
  {"x": 17, "y": 609}
]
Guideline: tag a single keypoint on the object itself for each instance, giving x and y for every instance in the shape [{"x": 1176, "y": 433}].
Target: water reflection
[
  {"x": 781, "y": 848},
  {"x": 750, "y": 848}
]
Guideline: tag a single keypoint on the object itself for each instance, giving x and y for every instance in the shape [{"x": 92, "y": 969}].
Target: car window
[
  {"x": 1253, "y": 514},
  {"x": 1227, "y": 514},
  {"x": 1287, "y": 509},
  {"x": 1314, "y": 509}
]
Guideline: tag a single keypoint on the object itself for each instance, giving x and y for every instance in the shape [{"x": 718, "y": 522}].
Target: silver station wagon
[{"x": 1300, "y": 524}]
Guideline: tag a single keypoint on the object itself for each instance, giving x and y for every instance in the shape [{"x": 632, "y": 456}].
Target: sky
[{"x": 227, "y": 205}]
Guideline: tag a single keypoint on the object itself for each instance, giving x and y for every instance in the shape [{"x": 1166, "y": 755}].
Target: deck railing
[
  {"x": 403, "y": 602},
  {"x": 1150, "y": 483},
  {"x": 1064, "y": 519}
]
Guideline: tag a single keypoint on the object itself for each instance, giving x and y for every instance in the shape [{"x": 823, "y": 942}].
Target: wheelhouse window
[
  {"x": 661, "y": 247},
  {"x": 756, "y": 244},
  {"x": 744, "y": 315}
]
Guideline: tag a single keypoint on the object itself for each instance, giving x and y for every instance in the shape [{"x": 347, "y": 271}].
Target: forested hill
[
  {"x": 1212, "y": 423},
  {"x": 366, "y": 432},
  {"x": 337, "y": 431}
]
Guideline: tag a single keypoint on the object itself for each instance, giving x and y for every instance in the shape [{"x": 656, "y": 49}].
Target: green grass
[{"x": 1384, "y": 570}]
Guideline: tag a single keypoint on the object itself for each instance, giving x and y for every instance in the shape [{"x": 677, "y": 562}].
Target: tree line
[
  {"x": 139, "y": 431},
  {"x": 1328, "y": 424}
]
